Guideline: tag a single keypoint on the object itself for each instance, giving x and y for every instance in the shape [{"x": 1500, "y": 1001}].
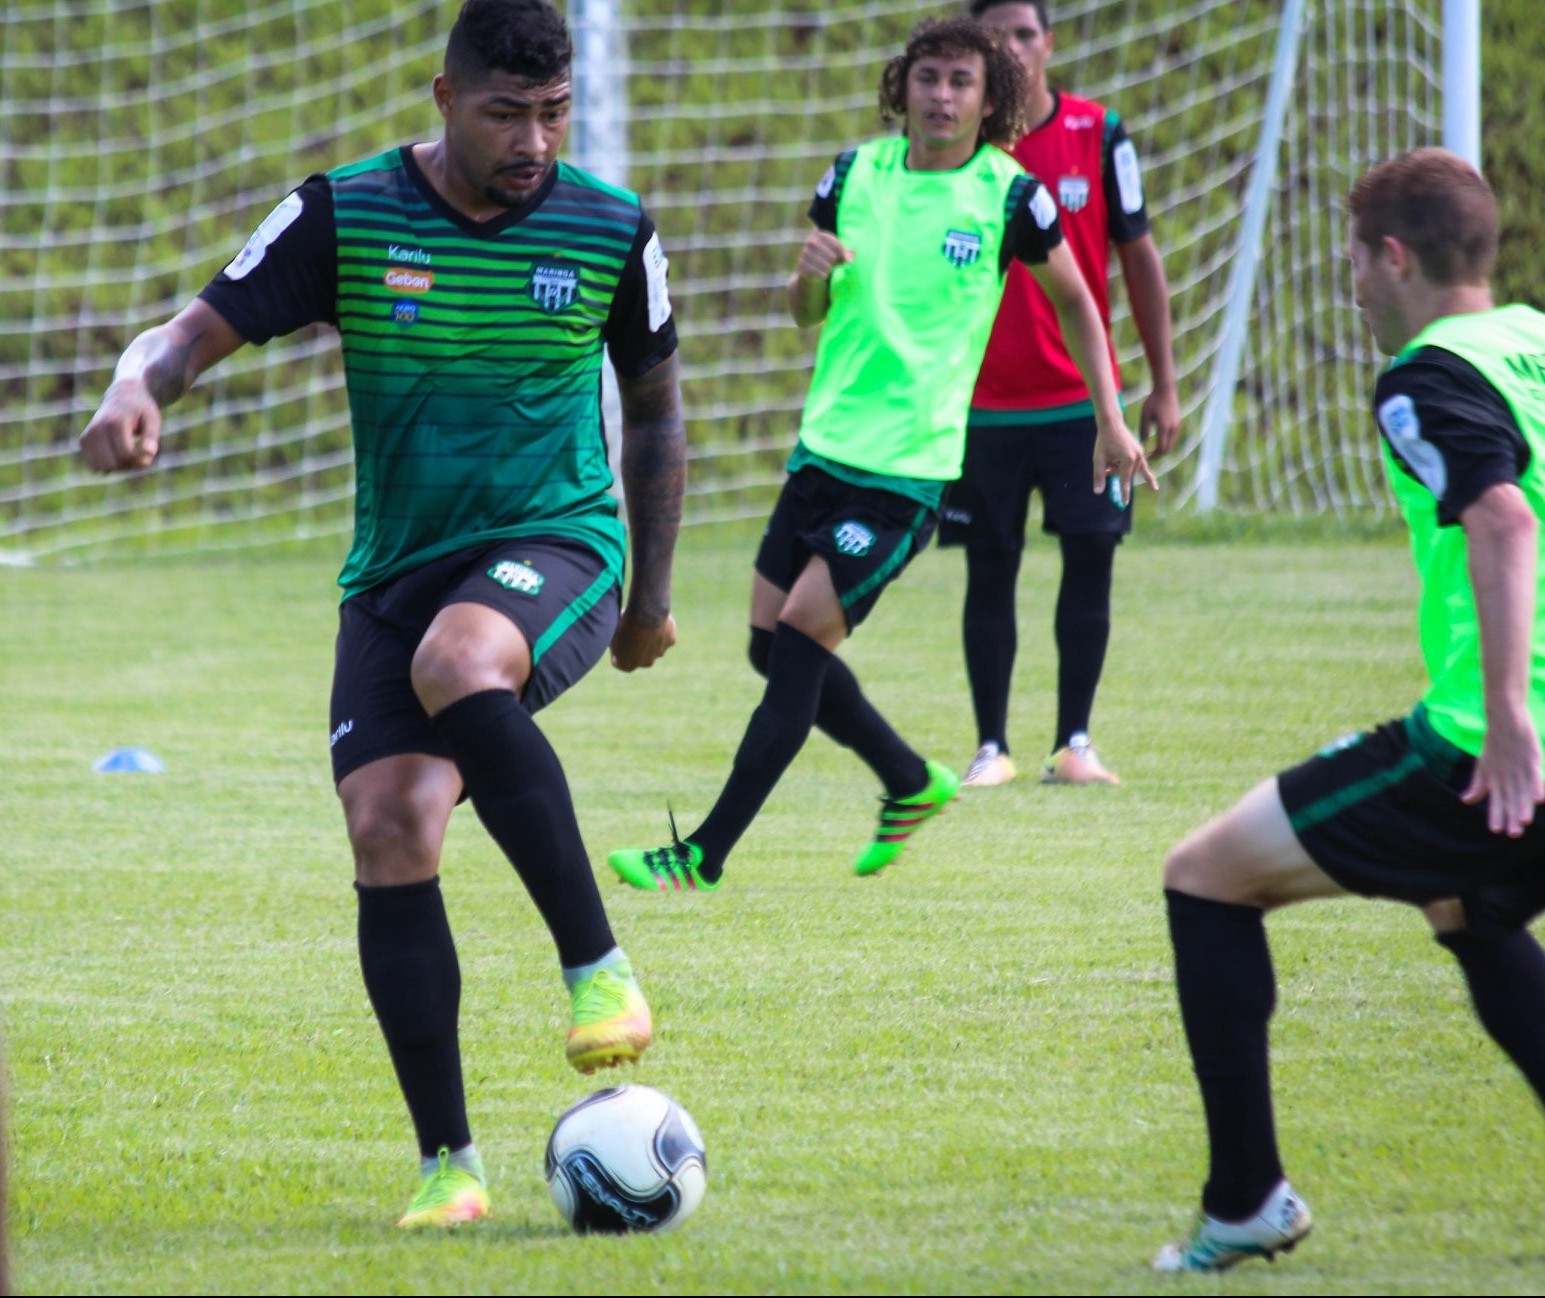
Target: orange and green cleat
[
  {"x": 610, "y": 1020},
  {"x": 900, "y": 818},
  {"x": 449, "y": 1196}
]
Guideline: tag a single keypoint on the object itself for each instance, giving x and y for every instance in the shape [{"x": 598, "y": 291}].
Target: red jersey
[{"x": 1082, "y": 154}]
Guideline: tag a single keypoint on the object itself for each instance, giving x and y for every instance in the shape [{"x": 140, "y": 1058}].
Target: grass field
[{"x": 966, "y": 1075}]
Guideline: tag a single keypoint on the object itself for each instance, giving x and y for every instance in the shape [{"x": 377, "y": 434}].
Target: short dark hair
[
  {"x": 1435, "y": 203},
  {"x": 942, "y": 37},
  {"x": 526, "y": 38},
  {"x": 976, "y": 8}
]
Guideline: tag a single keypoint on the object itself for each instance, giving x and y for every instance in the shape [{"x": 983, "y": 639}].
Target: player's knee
[
  {"x": 760, "y": 649},
  {"x": 1197, "y": 867},
  {"x": 393, "y": 841}
]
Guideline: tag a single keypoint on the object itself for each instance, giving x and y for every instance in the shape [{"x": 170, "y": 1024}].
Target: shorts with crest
[
  {"x": 558, "y": 593},
  {"x": 867, "y": 537}
]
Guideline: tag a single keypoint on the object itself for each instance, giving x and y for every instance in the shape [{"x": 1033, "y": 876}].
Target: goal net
[{"x": 142, "y": 142}]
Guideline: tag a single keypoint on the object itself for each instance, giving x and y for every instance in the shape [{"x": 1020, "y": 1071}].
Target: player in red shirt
[{"x": 1032, "y": 426}]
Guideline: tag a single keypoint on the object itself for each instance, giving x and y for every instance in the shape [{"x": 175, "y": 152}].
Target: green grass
[{"x": 964, "y": 1075}]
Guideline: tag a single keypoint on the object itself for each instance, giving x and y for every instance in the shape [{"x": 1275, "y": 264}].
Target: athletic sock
[
  {"x": 1227, "y": 992},
  {"x": 796, "y": 671},
  {"x": 517, "y": 787},
  {"x": 408, "y": 959},
  {"x": 1505, "y": 970},
  {"x": 991, "y": 633},
  {"x": 613, "y": 959},
  {"x": 1082, "y": 628},
  {"x": 848, "y": 718}
]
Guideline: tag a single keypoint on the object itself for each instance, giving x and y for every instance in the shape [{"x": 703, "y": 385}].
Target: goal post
[{"x": 143, "y": 140}]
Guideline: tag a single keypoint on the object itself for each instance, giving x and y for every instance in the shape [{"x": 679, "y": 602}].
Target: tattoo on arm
[
  {"x": 160, "y": 358},
  {"x": 654, "y": 476}
]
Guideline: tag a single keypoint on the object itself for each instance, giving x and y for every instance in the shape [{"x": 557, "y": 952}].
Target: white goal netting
[{"x": 142, "y": 142}]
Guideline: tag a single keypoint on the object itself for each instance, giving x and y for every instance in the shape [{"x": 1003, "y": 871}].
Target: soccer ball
[{"x": 627, "y": 1158}]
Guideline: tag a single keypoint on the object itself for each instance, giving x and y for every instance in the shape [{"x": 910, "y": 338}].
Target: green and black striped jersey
[{"x": 472, "y": 350}]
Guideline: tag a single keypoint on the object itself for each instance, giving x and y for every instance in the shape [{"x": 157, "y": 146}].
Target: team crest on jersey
[
  {"x": 522, "y": 578},
  {"x": 554, "y": 286},
  {"x": 853, "y": 538},
  {"x": 962, "y": 248},
  {"x": 1073, "y": 193}
]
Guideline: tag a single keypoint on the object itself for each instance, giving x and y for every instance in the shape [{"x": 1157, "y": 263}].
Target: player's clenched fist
[
  {"x": 823, "y": 252},
  {"x": 636, "y": 644},
  {"x": 125, "y": 432}
]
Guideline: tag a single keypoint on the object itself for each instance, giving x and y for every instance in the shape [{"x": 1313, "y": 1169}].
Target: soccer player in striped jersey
[
  {"x": 1032, "y": 424},
  {"x": 904, "y": 272},
  {"x": 1436, "y": 808},
  {"x": 474, "y": 281}
]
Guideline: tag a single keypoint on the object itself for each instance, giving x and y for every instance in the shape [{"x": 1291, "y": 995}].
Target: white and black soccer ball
[{"x": 624, "y": 1159}]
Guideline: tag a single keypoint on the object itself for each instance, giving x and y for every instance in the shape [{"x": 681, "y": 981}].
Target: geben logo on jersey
[
  {"x": 853, "y": 538},
  {"x": 522, "y": 578},
  {"x": 554, "y": 286},
  {"x": 409, "y": 281},
  {"x": 961, "y": 248}
]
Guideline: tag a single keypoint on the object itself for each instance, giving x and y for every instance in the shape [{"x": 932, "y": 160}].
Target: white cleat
[
  {"x": 1077, "y": 764},
  {"x": 989, "y": 767},
  {"x": 1216, "y": 1245}
]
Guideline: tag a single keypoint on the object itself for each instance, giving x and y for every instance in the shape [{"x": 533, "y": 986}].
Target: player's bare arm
[
  {"x": 810, "y": 284},
  {"x": 654, "y": 479},
  {"x": 154, "y": 371},
  {"x": 1148, "y": 291},
  {"x": 1502, "y": 543},
  {"x": 1117, "y": 453}
]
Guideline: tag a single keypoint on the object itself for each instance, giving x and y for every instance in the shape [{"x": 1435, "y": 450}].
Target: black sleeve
[
  {"x": 287, "y": 274},
  {"x": 640, "y": 330},
  {"x": 828, "y": 192},
  {"x": 1126, "y": 210},
  {"x": 1032, "y": 229},
  {"x": 1449, "y": 429}
]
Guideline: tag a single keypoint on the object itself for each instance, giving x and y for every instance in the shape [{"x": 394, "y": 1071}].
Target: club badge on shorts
[
  {"x": 853, "y": 538},
  {"x": 519, "y": 577}
]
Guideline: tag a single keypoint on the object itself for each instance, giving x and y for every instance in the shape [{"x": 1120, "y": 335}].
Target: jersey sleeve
[
  {"x": 640, "y": 329},
  {"x": 1125, "y": 207},
  {"x": 286, "y": 276},
  {"x": 1032, "y": 229},
  {"x": 828, "y": 192},
  {"x": 1449, "y": 429}
]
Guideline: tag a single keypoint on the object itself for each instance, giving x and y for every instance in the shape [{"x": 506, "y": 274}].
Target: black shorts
[
  {"x": 559, "y": 593},
  {"x": 988, "y": 507},
  {"x": 866, "y": 536},
  {"x": 1380, "y": 813}
]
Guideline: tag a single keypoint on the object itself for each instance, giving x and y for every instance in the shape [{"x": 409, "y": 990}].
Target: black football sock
[
  {"x": 1505, "y": 970},
  {"x": 1227, "y": 993},
  {"x": 408, "y": 958},
  {"x": 847, "y": 717},
  {"x": 1082, "y": 628},
  {"x": 517, "y": 787},
  {"x": 796, "y": 671},
  {"x": 991, "y": 636}
]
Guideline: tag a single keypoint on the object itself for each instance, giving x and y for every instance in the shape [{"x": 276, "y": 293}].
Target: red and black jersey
[{"x": 1082, "y": 154}]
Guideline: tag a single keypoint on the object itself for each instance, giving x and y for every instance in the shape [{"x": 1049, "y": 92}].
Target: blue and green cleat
[{"x": 900, "y": 818}]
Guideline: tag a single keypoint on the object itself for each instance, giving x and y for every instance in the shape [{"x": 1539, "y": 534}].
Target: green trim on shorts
[
  {"x": 592, "y": 596},
  {"x": 1440, "y": 756},
  {"x": 883, "y": 573},
  {"x": 1337, "y": 802},
  {"x": 981, "y": 417}
]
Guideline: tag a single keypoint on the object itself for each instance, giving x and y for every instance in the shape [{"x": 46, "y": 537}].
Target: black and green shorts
[
  {"x": 866, "y": 535},
  {"x": 1380, "y": 813},
  {"x": 559, "y": 593}
]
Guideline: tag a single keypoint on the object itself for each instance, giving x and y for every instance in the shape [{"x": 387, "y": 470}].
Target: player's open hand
[
  {"x": 823, "y": 253},
  {"x": 639, "y": 644},
  {"x": 1508, "y": 776},
  {"x": 1119, "y": 455},
  {"x": 125, "y": 432},
  {"x": 1160, "y": 420}
]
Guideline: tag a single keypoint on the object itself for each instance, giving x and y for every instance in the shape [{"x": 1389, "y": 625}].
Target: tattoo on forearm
[
  {"x": 161, "y": 359},
  {"x": 654, "y": 475}
]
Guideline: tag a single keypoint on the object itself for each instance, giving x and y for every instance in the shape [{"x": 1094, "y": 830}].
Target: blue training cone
[{"x": 129, "y": 759}]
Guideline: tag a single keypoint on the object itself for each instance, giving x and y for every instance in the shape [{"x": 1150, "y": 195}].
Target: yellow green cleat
[
  {"x": 448, "y": 1196},
  {"x": 611, "y": 1022}
]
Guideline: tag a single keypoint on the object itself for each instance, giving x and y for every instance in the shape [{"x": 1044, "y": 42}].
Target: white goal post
[{"x": 142, "y": 141}]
